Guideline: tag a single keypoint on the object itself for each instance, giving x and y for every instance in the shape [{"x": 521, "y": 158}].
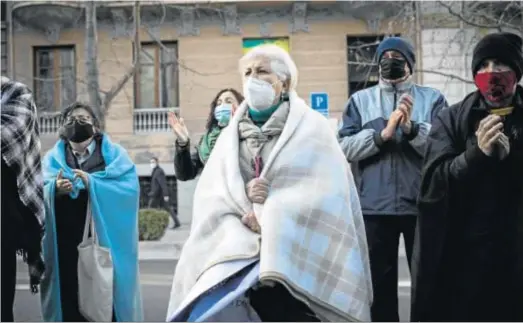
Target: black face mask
[
  {"x": 78, "y": 131},
  {"x": 392, "y": 68}
]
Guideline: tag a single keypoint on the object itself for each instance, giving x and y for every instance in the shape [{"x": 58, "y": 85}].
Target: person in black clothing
[
  {"x": 159, "y": 194},
  {"x": 22, "y": 191},
  {"x": 186, "y": 165},
  {"x": 468, "y": 255}
]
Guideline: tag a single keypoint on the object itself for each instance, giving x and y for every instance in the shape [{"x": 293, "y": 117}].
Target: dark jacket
[
  {"x": 20, "y": 228},
  {"x": 467, "y": 260},
  {"x": 158, "y": 187},
  {"x": 187, "y": 165},
  {"x": 387, "y": 174}
]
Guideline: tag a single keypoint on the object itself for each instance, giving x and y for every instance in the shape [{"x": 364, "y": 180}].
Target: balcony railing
[
  {"x": 49, "y": 122},
  {"x": 152, "y": 120},
  {"x": 145, "y": 121}
]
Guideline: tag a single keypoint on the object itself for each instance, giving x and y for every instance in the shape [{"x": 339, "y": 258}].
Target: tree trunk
[{"x": 91, "y": 61}]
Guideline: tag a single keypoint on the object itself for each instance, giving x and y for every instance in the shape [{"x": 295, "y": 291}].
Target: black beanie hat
[
  {"x": 505, "y": 47},
  {"x": 400, "y": 45}
]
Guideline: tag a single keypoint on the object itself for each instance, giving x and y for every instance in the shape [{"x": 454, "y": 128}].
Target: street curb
[{"x": 156, "y": 250}]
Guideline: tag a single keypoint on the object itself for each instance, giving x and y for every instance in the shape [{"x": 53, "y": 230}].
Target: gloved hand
[
  {"x": 258, "y": 190},
  {"x": 251, "y": 222}
]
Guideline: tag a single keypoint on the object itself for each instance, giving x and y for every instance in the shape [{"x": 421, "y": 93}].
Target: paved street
[{"x": 156, "y": 278}]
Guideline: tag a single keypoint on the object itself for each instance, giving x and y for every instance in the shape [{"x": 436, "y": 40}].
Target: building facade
[{"x": 189, "y": 50}]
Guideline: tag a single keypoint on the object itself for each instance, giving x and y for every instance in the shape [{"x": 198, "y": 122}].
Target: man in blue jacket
[{"x": 383, "y": 134}]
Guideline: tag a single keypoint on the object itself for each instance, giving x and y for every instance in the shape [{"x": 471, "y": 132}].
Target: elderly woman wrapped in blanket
[{"x": 277, "y": 231}]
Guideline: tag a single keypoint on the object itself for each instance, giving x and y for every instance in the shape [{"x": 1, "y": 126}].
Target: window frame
[
  {"x": 56, "y": 78},
  {"x": 158, "y": 85},
  {"x": 5, "y": 53},
  {"x": 353, "y": 85}
]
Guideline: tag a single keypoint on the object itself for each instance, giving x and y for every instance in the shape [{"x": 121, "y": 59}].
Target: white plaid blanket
[{"x": 313, "y": 237}]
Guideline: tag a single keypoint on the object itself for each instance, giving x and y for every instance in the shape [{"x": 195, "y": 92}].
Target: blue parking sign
[{"x": 320, "y": 102}]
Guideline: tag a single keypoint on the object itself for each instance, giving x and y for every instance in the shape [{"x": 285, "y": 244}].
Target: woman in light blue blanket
[
  {"x": 86, "y": 167},
  {"x": 277, "y": 232}
]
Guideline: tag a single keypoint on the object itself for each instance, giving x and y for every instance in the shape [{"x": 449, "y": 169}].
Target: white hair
[{"x": 281, "y": 62}]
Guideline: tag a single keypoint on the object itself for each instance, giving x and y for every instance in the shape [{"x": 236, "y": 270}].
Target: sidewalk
[{"x": 168, "y": 247}]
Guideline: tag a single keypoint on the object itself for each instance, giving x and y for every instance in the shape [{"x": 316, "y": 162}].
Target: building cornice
[{"x": 188, "y": 17}]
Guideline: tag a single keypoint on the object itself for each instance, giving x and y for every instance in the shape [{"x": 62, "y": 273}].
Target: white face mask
[
  {"x": 259, "y": 94},
  {"x": 153, "y": 165}
]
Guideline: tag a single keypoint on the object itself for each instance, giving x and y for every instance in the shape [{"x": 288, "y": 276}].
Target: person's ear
[{"x": 286, "y": 85}]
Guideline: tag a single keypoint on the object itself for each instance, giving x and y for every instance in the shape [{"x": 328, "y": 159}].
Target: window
[
  {"x": 55, "y": 77},
  {"x": 4, "y": 62},
  {"x": 156, "y": 85},
  {"x": 3, "y": 51},
  {"x": 362, "y": 65}
]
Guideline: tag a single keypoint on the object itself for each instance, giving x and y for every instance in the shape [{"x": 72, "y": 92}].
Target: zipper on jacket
[{"x": 393, "y": 164}]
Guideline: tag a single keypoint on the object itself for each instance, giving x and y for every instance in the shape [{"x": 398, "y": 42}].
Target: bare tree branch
[
  {"x": 449, "y": 75},
  {"x": 502, "y": 24},
  {"x": 115, "y": 89},
  {"x": 181, "y": 64}
]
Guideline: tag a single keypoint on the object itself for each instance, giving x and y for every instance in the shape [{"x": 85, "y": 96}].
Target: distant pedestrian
[
  {"x": 86, "y": 172},
  {"x": 159, "y": 197},
  {"x": 383, "y": 136},
  {"x": 188, "y": 165},
  {"x": 468, "y": 259},
  {"x": 22, "y": 190}
]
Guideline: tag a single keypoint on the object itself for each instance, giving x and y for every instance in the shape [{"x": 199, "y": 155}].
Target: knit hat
[
  {"x": 399, "y": 45},
  {"x": 505, "y": 47}
]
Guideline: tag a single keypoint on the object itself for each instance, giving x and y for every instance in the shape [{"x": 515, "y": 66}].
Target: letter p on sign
[{"x": 320, "y": 102}]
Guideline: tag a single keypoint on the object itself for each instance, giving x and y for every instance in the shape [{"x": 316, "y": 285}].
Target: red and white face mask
[{"x": 496, "y": 87}]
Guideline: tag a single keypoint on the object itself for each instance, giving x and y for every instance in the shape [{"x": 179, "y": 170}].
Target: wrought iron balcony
[
  {"x": 48, "y": 122},
  {"x": 152, "y": 120}
]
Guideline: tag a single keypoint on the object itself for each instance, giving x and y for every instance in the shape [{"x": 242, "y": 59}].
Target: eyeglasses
[{"x": 80, "y": 118}]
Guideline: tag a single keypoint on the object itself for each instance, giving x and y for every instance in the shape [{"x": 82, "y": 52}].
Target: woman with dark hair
[
  {"x": 89, "y": 181},
  {"x": 186, "y": 165}
]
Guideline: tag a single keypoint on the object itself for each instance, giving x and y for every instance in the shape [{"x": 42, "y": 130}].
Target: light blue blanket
[
  {"x": 114, "y": 197},
  {"x": 211, "y": 295}
]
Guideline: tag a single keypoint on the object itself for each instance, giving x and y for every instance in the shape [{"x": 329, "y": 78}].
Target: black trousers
[
  {"x": 276, "y": 304},
  {"x": 159, "y": 203},
  {"x": 383, "y": 234},
  {"x": 8, "y": 273}
]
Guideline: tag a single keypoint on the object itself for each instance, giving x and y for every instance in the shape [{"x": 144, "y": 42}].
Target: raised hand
[
  {"x": 63, "y": 186},
  {"x": 489, "y": 133},
  {"x": 178, "y": 126},
  {"x": 82, "y": 175},
  {"x": 406, "y": 102}
]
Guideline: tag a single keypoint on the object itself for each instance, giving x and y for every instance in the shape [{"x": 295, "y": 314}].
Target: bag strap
[{"x": 89, "y": 222}]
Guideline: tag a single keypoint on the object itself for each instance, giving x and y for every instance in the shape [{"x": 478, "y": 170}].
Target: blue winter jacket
[{"x": 388, "y": 174}]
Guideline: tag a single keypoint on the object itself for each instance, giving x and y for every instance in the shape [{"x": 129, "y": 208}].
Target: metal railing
[
  {"x": 144, "y": 120},
  {"x": 152, "y": 120},
  {"x": 48, "y": 122}
]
